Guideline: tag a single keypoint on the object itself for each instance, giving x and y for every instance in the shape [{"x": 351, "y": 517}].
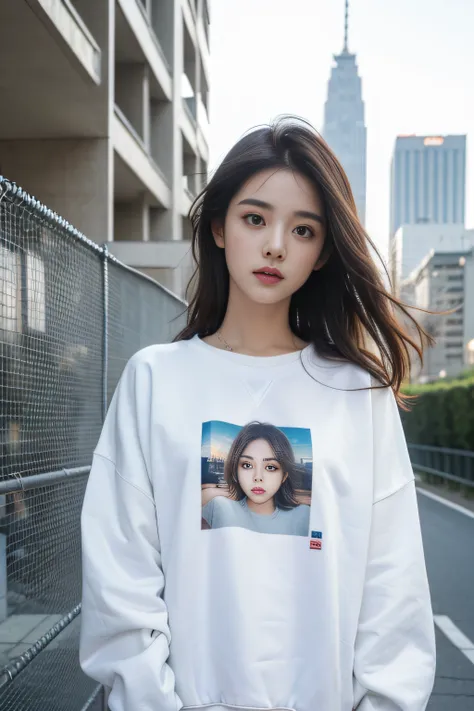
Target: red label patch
[{"x": 315, "y": 543}]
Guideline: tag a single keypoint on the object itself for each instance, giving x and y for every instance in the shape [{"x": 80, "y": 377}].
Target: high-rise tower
[
  {"x": 428, "y": 181},
  {"x": 344, "y": 122},
  {"x": 427, "y": 199}
]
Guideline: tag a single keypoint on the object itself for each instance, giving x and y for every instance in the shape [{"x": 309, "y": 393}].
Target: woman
[
  {"x": 262, "y": 476},
  {"x": 289, "y": 323}
]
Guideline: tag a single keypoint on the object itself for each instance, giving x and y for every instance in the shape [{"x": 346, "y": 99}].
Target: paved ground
[
  {"x": 19, "y": 632},
  {"x": 448, "y": 493},
  {"x": 448, "y": 537}
]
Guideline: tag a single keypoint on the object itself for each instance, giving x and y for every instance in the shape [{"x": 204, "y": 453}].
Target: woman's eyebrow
[
  {"x": 265, "y": 459},
  {"x": 256, "y": 203},
  {"x": 309, "y": 215},
  {"x": 266, "y": 206}
]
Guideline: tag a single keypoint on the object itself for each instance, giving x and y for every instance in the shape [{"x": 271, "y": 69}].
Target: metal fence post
[
  {"x": 105, "y": 699},
  {"x": 3, "y": 577},
  {"x": 105, "y": 333},
  {"x": 105, "y": 376}
]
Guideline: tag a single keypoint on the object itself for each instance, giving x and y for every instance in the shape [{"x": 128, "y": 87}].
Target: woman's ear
[
  {"x": 285, "y": 477},
  {"x": 218, "y": 232}
]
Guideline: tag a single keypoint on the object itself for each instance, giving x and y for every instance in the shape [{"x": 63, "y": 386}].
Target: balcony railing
[
  {"x": 189, "y": 104},
  {"x": 203, "y": 118},
  {"x": 147, "y": 14},
  {"x": 90, "y": 46},
  {"x": 139, "y": 140}
]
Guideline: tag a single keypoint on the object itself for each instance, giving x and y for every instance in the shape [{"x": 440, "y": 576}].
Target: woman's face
[
  {"x": 260, "y": 475},
  {"x": 276, "y": 220}
]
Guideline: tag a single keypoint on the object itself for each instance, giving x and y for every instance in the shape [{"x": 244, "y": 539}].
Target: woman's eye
[
  {"x": 253, "y": 219},
  {"x": 246, "y": 465},
  {"x": 304, "y": 231},
  {"x": 271, "y": 467}
]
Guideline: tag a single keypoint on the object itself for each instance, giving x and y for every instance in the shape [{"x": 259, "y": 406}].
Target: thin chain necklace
[
  {"x": 222, "y": 340},
  {"x": 229, "y": 348}
]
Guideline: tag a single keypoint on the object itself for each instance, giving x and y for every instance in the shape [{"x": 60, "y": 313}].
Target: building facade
[
  {"x": 427, "y": 182},
  {"x": 344, "y": 121},
  {"x": 413, "y": 242},
  {"x": 444, "y": 281},
  {"x": 105, "y": 120}
]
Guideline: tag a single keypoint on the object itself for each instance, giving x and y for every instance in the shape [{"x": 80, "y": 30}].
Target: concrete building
[
  {"x": 344, "y": 121},
  {"x": 105, "y": 119},
  {"x": 413, "y": 242},
  {"x": 427, "y": 183},
  {"x": 444, "y": 281}
]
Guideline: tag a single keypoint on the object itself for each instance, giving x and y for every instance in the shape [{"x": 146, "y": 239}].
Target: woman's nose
[
  {"x": 275, "y": 245},
  {"x": 258, "y": 475}
]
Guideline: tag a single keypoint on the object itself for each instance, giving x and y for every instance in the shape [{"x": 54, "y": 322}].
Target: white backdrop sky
[{"x": 415, "y": 57}]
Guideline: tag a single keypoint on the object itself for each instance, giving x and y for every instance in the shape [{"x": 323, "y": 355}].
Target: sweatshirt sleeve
[
  {"x": 125, "y": 637},
  {"x": 395, "y": 657}
]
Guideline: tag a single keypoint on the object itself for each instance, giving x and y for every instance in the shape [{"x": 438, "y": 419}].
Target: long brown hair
[
  {"x": 344, "y": 306},
  {"x": 283, "y": 451}
]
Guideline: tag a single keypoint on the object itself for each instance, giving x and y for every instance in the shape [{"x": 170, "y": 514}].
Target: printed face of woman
[
  {"x": 260, "y": 476},
  {"x": 274, "y": 222}
]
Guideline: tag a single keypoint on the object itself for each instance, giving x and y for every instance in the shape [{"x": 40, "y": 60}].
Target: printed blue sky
[
  {"x": 217, "y": 438},
  {"x": 416, "y": 59}
]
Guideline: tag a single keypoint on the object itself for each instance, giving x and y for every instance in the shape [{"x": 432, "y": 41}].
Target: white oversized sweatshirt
[{"x": 310, "y": 596}]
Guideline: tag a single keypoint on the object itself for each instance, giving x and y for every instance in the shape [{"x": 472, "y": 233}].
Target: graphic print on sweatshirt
[{"x": 257, "y": 477}]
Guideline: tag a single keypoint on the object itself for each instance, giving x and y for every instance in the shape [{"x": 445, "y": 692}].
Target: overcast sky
[{"x": 415, "y": 57}]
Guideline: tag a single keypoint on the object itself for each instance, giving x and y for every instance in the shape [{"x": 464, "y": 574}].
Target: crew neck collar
[
  {"x": 249, "y": 360},
  {"x": 259, "y": 517}
]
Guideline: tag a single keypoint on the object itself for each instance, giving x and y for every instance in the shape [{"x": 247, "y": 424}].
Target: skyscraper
[
  {"x": 428, "y": 175},
  {"x": 344, "y": 123},
  {"x": 427, "y": 187}
]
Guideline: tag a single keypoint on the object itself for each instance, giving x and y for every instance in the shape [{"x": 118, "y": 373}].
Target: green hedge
[{"x": 442, "y": 414}]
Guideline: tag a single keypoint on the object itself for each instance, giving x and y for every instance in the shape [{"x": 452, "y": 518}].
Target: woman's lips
[
  {"x": 267, "y": 278},
  {"x": 258, "y": 490}
]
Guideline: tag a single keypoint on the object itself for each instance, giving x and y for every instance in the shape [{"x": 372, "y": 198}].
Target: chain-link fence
[{"x": 70, "y": 317}]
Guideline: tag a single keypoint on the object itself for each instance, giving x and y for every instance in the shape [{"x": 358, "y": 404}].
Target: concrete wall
[
  {"x": 70, "y": 176},
  {"x": 175, "y": 230},
  {"x": 131, "y": 221}
]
